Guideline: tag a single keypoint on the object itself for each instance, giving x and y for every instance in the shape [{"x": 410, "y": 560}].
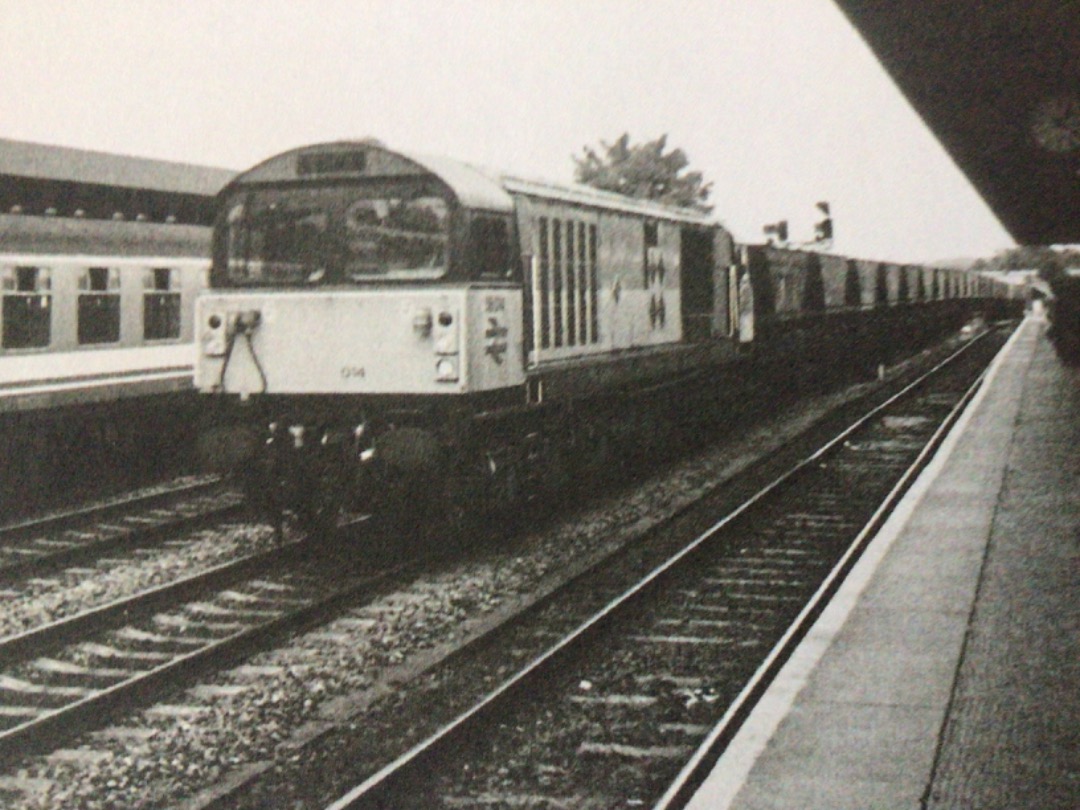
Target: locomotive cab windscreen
[
  {"x": 339, "y": 234},
  {"x": 354, "y": 215}
]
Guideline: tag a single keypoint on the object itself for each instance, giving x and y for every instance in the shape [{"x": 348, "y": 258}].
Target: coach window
[
  {"x": 161, "y": 304},
  {"x": 490, "y": 240},
  {"x": 99, "y": 305},
  {"x": 27, "y": 307}
]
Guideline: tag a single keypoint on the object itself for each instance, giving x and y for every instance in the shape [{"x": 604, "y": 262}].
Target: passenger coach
[
  {"x": 96, "y": 356},
  {"x": 96, "y": 310}
]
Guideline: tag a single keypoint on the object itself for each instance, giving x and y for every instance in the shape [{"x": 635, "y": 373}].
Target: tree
[
  {"x": 643, "y": 171},
  {"x": 1049, "y": 261}
]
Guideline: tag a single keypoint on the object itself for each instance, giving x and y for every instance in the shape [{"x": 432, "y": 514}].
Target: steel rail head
[{"x": 379, "y": 783}]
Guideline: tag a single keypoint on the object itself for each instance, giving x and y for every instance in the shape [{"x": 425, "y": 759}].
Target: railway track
[
  {"x": 76, "y": 537},
  {"x": 659, "y": 656},
  {"x": 72, "y": 675}
]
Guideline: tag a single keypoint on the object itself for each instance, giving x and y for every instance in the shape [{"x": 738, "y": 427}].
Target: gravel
[
  {"x": 259, "y": 712},
  {"x": 41, "y": 601},
  {"x": 150, "y": 490}
]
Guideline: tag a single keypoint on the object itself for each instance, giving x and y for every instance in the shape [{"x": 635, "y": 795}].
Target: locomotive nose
[{"x": 219, "y": 328}]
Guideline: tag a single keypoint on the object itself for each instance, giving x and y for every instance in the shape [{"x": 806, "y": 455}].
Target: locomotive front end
[
  {"x": 362, "y": 304},
  {"x": 385, "y": 342}
]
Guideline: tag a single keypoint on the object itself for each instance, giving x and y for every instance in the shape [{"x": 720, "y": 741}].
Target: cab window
[{"x": 489, "y": 239}]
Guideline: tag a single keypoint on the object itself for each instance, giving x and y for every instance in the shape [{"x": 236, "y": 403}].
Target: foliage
[
  {"x": 644, "y": 171},
  {"x": 1049, "y": 261}
]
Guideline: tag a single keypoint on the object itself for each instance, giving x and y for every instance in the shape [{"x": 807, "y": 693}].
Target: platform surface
[
  {"x": 946, "y": 672},
  {"x": 44, "y": 380}
]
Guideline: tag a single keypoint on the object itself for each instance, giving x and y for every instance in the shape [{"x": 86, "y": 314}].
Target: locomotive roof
[
  {"x": 474, "y": 187},
  {"x": 579, "y": 194},
  {"x": 62, "y": 163}
]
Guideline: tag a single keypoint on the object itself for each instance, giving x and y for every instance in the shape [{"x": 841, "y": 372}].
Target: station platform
[
  {"x": 34, "y": 382},
  {"x": 946, "y": 672}
]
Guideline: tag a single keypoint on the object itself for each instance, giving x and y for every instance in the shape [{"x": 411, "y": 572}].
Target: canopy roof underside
[{"x": 998, "y": 82}]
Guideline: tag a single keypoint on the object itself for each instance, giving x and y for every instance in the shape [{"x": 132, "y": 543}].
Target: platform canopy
[
  {"x": 46, "y": 162},
  {"x": 998, "y": 82},
  {"x": 38, "y": 179}
]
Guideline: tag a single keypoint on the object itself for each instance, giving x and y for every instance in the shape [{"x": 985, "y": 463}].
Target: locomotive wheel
[
  {"x": 459, "y": 506},
  {"x": 507, "y": 498},
  {"x": 264, "y": 492},
  {"x": 593, "y": 452},
  {"x": 322, "y": 493},
  {"x": 418, "y": 515},
  {"x": 318, "y": 512},
  {"x": 397, "y": 518}
]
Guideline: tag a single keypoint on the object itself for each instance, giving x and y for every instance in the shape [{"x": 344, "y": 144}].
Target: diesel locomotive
[{"x": 414, "y": 336}]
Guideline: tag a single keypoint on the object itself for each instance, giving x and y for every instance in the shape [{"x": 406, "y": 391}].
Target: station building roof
[
  {"x": 43, "y": 162},
  {"x": 43, "y": 179}
]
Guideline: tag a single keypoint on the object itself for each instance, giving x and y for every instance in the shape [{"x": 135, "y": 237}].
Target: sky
[{"x": 778, "y": 102}]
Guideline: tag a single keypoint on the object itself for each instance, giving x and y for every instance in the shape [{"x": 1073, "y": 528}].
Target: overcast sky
[{"x": 778, "y": 102}]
